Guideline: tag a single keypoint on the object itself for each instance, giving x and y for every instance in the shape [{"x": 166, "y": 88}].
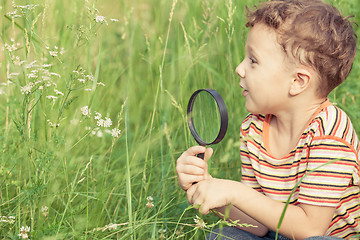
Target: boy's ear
[{"x": 300, "y": 82}]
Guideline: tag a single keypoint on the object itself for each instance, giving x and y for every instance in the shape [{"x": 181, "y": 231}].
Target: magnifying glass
[{"x": 207, "y": 117}]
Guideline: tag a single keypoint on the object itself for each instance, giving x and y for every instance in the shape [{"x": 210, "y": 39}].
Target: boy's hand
[
  {"x": 192, "y": 169},
  {"x": 210, "y": 194}
]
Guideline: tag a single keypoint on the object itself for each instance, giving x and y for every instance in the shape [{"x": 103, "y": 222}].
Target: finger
[
  {"x": 186, "y": 181},
  {"x": 204, "y": 209},
  {"x": 192, "y": 160},
  {"x": 190, "y": 192},
  {"x": 208, "y": 153},
  {"x": 197, "y": 201},
  {"x": 193, "y": 151},
  {"x": 191, "y": 170}
]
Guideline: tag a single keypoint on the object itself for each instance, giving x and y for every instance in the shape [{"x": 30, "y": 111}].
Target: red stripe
[
  {"x": 319, "y": 187},
  {"x": 325, "y": 175},
  {"x": 282, "y": 193},
  {"x": 338, "y": 123},
  {"x": 302, "y": 197},
  {"x": 279, "y": 179},
  {"x": 339, "y": 162}
]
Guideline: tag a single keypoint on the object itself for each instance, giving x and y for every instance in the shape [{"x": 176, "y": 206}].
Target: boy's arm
[
  {"x": 300, "y": 221},
  {"x": 234, "y": 215},
  {"x": 191, "y": 169}
]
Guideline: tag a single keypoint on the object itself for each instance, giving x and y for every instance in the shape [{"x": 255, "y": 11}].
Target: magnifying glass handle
[{"x": 200, "y": 155}]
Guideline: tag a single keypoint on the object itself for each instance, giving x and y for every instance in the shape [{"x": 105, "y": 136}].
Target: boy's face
[{"x": 265, "y": 73}]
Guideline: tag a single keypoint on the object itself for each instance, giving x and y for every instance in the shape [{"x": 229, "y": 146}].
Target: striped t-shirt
[{"x": 329, "y": 136}]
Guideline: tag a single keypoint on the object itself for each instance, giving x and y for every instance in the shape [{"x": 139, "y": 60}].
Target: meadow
[{"x": 93, "y": 112}]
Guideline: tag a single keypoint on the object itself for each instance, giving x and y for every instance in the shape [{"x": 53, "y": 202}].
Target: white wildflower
[
  {"x": 90, "y": 77},
  {"x": 150, "y": 203},
  {"x": 114, "y": 20},
  {"x": 24, "y": 232},
  {"x": 46, "y": 72},
  {"x": 5, "y": 219},
  {"x": 88, "y": 89},
  {"x": 107, "y": 122},
  {"x": 11, "y": 219},
  {"x": 55, "y": 74},
  {"x": 13, "y": 14},
  {"x": 51, "y": 97},
  {"x": 53, "y": 53},
  {"x": 31, "y": 75},
  {"x": 27, "y": 88},
  {"x": 46, "y": 65},
  {"x": 30, "y": 7},
  {"x": 115, "y": 132},
  {"x": 85, "y": 111},
  {"x": 111, "y": 226},
  {"x": 100, "y": 123},
  {"x": 31, "y": 65},
  {"x": 46, "y": 78},
  {"x": 81, "y": 80},
  {"x": 100, "y": 19},
  {"x": 199, "y": 222},
  {"x": 97, "y": 115},
  {"x": 100, "y": 84},
  {"x": 17, "y": 61},
  {"x": 58, "y": 92},
  {"x": 45, "y": 211},
  {"x": 11, "y": 48}
]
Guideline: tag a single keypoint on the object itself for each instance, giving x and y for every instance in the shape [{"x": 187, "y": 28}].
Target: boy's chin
[{"x": 251, "y": 109}]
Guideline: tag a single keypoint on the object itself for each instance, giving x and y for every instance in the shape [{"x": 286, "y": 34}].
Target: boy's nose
[{"x": 240, "y": 70}]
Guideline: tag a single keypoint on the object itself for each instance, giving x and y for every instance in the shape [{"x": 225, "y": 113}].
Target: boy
[{"x": 297, "y": 52}]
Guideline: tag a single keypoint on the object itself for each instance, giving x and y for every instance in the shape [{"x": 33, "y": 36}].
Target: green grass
[{"x": 150, "y": 62}]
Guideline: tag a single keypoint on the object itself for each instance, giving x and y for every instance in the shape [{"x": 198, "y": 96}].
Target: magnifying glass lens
[{"x": 206, "y": 116}]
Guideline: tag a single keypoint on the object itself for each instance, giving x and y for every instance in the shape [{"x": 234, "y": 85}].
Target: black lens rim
[{"x": 223, "y": 116}]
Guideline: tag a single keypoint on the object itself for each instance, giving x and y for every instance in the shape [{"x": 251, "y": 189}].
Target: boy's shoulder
[
  {"x": 253, "y": 119},
  {"x": 333, "y": 122},
  {"x": 253, "y": 123}
]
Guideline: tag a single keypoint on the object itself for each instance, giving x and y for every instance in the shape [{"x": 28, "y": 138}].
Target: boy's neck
[{"x": 286, "y": 127}]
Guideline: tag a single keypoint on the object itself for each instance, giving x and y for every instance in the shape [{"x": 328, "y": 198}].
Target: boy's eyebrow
[{"x": 251, "y": 50}]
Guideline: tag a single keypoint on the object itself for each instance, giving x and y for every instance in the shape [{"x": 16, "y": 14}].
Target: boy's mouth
[{"x": 245, "y": 93}]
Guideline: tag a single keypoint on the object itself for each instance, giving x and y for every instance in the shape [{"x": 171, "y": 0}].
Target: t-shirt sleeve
[{"x": 332, "y": 167}]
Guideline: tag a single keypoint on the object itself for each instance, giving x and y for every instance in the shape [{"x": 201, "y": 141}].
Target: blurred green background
[{"x": 62, "y": 173}]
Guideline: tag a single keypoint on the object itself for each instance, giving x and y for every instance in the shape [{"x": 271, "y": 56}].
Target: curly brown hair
[{"x": 316, "y": 35}]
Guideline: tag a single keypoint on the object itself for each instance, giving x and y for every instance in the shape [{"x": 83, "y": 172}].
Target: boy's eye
[{"x": 252, "y": 60}]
